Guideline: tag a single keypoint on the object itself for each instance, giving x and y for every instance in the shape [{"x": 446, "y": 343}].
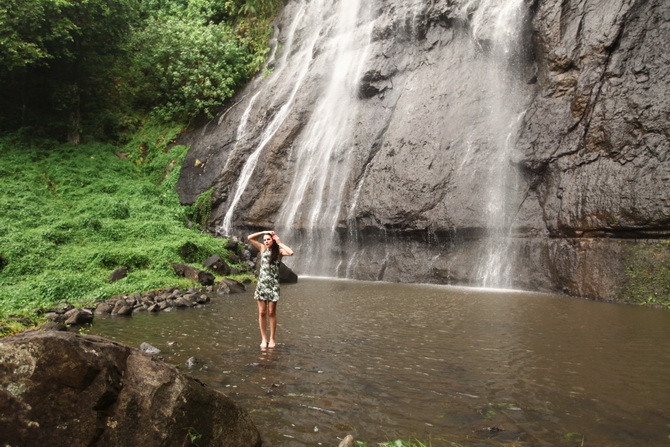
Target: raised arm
[
  {"x": 284, "y": 249},
  {"x": 253, "y": 238}
]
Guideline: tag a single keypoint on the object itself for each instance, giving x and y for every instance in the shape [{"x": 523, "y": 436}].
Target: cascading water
[
  {"x": 330, "y": 44},
  {"x": 227, "y": 225},
  {"x": 299, "y": 68},
  {"x": 339, "y": 35},
  {"x": 320, "y": 185},
  {"x": 505, "y": 106}
]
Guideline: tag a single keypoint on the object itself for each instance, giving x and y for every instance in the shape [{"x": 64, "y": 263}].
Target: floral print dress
[{"x": 267, "y": 288}]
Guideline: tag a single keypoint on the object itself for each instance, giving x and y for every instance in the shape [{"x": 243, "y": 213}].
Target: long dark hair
[{"x": 275, "y": 251}]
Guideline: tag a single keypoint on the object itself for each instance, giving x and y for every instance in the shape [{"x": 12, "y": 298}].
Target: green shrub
[
  {"x": 118, "y": 210},
  {"x": 201, "y": 210},
  {"x": 648, "y": 274}
]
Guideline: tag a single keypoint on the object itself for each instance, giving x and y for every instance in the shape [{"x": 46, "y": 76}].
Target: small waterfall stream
[
  {"x": 246, "y": 172},
  {"x": 300, "y": 62},
  {"x": 504, "y": 112}
]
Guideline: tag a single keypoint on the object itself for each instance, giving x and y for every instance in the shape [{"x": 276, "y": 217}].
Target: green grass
[
  {"x": 70, "y": 215},
  {"x": 648, "y": 274}
]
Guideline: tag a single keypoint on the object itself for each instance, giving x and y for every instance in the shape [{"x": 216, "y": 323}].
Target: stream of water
[{"x": 447, "y": 366}]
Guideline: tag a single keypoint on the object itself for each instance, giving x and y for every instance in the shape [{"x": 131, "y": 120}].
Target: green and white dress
[{"x": 267, "y": 288}]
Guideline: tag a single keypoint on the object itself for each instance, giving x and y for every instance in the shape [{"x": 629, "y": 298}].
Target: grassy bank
[
  {"x": 70, "y": 215},
  {"x": 648, "y": 274}
]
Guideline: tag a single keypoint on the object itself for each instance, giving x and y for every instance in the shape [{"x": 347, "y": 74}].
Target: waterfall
[
  {"x": 309, "y": 112},
  {"x": 300, "y": 63},
  {"x": 321, "y": 155},
  {"x": 505, "y": 109},
  {"x": 245, "y": 175}
]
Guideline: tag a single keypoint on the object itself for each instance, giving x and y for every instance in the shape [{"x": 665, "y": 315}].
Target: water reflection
[{"x": 445, "y": 365}]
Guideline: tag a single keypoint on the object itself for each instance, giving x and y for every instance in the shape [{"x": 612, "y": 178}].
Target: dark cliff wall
[{"x": 583, "y": 96}]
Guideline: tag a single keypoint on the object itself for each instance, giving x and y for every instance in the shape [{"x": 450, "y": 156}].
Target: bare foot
[
  {"x": 272, "y": 344},
  {"x": 264, "y": 344}
]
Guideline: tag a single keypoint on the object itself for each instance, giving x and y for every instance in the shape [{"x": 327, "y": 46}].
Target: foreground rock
[{"x": 64, "y": 389}]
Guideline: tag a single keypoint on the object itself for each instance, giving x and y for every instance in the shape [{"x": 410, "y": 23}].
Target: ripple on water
[{"x": 385, "y": 361}]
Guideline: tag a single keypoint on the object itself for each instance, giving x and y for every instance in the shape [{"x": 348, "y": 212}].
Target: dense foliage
[
  {"x": 56, "y": 59},
  {"x": 101, "y": 69},
  {"x": 90, "y": 67},
  {"x": 70, "y": 215}
]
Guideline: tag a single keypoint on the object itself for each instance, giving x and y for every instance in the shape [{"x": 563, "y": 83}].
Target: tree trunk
[{"x": 74, "y": 130}]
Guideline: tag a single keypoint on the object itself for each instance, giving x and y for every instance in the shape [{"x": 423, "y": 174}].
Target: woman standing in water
[{"x": 267, "y": 289}]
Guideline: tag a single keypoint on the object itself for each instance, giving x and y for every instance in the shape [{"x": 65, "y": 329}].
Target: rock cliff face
[{"x": 509, "y": 143}]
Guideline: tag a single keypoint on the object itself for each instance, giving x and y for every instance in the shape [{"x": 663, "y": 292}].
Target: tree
[
  {"x": 69, "y": 67},
  {"x": 57, "y": 59},
  {"x": 185, "y": 68}
]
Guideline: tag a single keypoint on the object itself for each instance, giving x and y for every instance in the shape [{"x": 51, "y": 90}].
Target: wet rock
[
  {"x": 52, "y": 326},
  {"x": 228, "y": 286},
  {"x": 62, "y": 389},
  {"x": 348, "y": 441},
  {"x": 104, "y": 308},
  {"x": 590, "y": 154},
  {"x": 149, "y": 349},
  {"x": 122, "y": 309},
  {"x": 232, "y": 245},
  {"x": 222, "y": 289},
  {"x": 154, "y": 308},
  {"x": 183, "y": 302},
  {"x": 192, "y": 361},
  {"x": 286, "y": 275},
  {"x": 79, "y": 317}
]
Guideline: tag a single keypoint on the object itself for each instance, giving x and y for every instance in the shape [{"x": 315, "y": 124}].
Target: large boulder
[
  {"x": 217, "y": 264},
  {"x": 187, "y": 271},
  {"x": 286, "y": 275},
  {"x": 65, "y": 389}
]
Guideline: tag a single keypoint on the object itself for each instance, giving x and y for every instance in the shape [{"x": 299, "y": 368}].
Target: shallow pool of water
[{"x": 447, "y": 366}]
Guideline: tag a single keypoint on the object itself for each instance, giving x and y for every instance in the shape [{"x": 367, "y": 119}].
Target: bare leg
[
  {"x": 272, "y": 311},
  {"x": 262, "y": 322}
]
